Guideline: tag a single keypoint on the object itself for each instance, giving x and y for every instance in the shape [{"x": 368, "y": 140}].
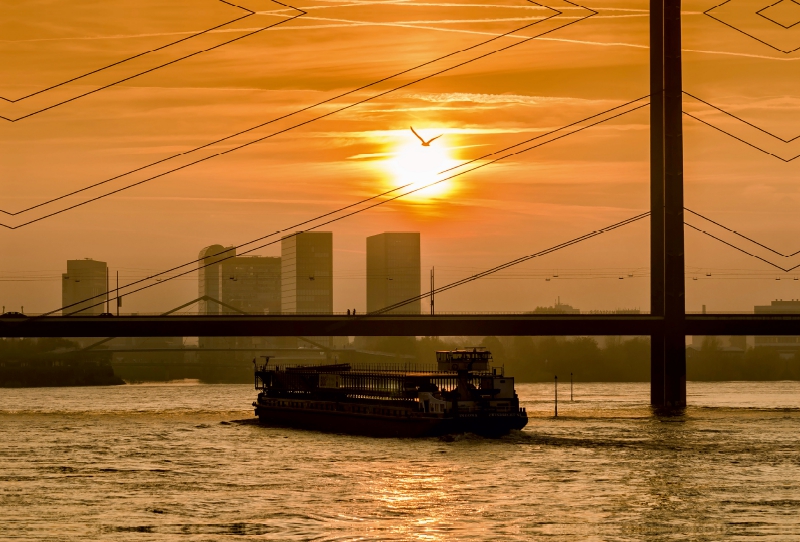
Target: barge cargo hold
[{"x": 461, "y": 395}]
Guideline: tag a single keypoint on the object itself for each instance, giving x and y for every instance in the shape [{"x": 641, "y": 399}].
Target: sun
[{"x": 412, "y": 164}]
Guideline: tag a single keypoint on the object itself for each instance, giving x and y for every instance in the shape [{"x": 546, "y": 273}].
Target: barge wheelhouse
[{"x": 462, "y": 394}]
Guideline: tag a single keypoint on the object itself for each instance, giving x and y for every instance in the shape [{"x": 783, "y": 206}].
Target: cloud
[{"x": 450, "y": 97}]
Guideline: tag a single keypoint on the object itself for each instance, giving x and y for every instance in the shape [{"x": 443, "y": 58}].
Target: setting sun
[{"x": 412, "y": 163}]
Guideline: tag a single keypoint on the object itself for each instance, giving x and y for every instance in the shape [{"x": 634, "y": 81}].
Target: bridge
[{"x": 394, "y": 325}]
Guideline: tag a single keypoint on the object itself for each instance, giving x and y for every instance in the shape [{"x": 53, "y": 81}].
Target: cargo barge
[{"x": 463, "y": 394}]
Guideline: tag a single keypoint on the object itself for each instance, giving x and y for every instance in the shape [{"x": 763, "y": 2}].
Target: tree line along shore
[{"x": 61, "y": 362}]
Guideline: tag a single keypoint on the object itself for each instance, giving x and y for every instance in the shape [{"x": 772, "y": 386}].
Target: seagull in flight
[{"x": 425, "y": 143}]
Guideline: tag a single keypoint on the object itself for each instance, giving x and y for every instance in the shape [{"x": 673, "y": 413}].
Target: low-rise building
[{"x": 787, "y": 346}]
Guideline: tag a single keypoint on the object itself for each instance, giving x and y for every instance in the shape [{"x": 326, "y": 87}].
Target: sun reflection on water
[{"x": 416, "y": 493}]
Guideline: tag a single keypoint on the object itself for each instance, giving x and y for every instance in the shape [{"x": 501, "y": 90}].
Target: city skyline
[{"x": 252, "y": 284}]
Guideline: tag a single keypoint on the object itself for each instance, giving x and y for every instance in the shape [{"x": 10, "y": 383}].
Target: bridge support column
[
  {"x": 674, "y": 264},
  {"x": 657, "y": 197},
  {"x": 667, "y": 286},
  {"x": 657, "y": 357}
]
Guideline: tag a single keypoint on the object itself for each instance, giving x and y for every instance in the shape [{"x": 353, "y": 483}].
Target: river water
[{"x": 183, "y": 461}]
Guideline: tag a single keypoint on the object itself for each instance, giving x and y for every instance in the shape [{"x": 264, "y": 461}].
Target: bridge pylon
[{"x": 667, "y": 259}]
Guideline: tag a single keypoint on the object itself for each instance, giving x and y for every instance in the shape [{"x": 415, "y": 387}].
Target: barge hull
[{"x": 388, "y": 426}]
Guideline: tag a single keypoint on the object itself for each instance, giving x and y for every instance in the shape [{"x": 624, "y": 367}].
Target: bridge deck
[{"x": 389, "y": 325}]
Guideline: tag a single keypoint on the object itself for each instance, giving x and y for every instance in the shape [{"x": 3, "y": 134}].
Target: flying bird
[{"x": 425, "y": 143}]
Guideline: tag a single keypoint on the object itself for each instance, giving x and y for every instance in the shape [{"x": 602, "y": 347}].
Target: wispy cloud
[
  {"x": 419, "y": 24},
  {"x": 448, "y": 97}
]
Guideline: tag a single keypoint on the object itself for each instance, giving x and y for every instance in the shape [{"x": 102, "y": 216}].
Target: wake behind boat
[{"x": 462, "y": 395}]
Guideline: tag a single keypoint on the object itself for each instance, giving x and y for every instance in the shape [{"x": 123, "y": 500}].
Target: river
[{"x": 184, "y": 461}]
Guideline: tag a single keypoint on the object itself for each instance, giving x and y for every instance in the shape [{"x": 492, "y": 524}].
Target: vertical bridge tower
[{"x": 667, "y": 279}]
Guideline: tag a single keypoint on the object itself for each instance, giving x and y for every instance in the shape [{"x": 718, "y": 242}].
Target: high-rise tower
[
  {"x": 251, "y": 284},
  {"x": 393, "y": 271},
  {"x": 209, "y": 272},
  {"x": 307, "y": 273}
]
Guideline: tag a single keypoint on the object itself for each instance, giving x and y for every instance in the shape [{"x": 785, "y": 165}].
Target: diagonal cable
[
  {"x": 740, "y": 119},
  {"x": 743, "y": 251},
  {"x": 708, "y": 13},
  {"x": 740, "y": 139},
  {"x": 746, "y": 238}
]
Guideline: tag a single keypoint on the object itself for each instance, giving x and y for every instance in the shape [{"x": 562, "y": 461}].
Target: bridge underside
[{"x": 390, "y": 325}]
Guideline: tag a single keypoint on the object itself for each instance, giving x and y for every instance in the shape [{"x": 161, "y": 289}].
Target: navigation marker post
[{"x": 556, "y": 401}]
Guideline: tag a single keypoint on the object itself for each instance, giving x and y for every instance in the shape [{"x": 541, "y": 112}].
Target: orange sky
[{"x": 523, "y": 204}]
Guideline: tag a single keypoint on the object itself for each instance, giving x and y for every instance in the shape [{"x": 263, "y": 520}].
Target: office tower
[
  {"x": 307, "y": 273},
  {"x": 208, "y": 283},
  {"x": 393, "y": 271},
  {"x": 83, "y": 285},
  {"x": 251, "y": 284}
]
